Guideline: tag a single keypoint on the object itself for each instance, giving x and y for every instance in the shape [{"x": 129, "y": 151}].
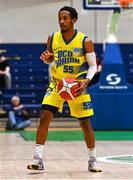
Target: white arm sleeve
[{"x": 91, "y": 59}]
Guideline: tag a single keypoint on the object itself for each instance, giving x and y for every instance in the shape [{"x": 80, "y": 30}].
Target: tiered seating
[{"x": 30, "y": 74}]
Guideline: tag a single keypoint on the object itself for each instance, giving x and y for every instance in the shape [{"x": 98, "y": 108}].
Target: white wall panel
[{"x": 34, "y": 20}]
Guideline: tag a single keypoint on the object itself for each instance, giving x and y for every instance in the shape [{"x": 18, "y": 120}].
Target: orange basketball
[{"x": 67, "y": 87}]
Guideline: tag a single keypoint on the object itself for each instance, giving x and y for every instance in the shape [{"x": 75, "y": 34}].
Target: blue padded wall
[
  {"x": 113, "y": 96},
  {"x": 113, "y": 107}
]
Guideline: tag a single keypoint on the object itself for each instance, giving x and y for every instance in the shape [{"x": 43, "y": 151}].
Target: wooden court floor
[{"x": 63, "y": 160}]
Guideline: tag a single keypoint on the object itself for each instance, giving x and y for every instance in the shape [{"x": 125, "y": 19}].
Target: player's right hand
[{"x": 47, "y": 56}]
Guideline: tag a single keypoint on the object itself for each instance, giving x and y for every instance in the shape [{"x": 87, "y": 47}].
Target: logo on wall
[{"x": 113, "y": 79}]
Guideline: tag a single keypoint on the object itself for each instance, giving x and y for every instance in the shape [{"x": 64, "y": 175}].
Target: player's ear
[{"x": 74, "y": 20}]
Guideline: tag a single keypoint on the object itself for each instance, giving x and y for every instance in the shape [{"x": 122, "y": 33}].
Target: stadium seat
[{"x": 30, "y": 75}]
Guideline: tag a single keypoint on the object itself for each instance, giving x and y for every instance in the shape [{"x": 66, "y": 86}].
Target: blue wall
[
  {"x": 113, "y": 96},
  {"x": 112, "y": 103}
]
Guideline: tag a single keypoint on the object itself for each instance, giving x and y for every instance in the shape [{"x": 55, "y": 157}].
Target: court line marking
[{"x": 105, "y": 159}]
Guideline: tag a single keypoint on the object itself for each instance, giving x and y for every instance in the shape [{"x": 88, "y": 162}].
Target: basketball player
[{"x": 70, "y": 53}]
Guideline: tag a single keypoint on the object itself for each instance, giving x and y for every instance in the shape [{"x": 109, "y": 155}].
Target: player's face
[{"x": 65, "y": 21}]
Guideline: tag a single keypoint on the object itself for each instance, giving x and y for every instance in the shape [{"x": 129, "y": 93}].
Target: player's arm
[
  {"x": 47, "y": 55},
  {"x": 91, "y": 60}
]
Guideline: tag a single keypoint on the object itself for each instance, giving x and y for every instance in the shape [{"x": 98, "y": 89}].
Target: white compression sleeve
[{"x": 91, "y": 59}]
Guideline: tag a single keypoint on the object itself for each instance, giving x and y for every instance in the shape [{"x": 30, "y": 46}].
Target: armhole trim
[
  {"x": 51, "y": 42},
  {"x": 83, "y": 44}
]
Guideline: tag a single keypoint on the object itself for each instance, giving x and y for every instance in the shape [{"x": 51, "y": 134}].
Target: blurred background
[{"x": 24, "y": 28}]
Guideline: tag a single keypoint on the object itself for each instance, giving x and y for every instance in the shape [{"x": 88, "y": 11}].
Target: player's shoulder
[
  {"x": 56, "y": 33},
  {"x": 82, "y": 35},
  {"x": 53, "y": 35}
]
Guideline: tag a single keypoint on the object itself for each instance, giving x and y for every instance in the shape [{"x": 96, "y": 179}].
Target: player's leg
[
  {"x": 41, "y": 136},
  {"x": 81, "y": 109},
  {"x": 51, "y": 103},
  {"x": 85, "y": 124},
  {"x": 46, "y": 117}
]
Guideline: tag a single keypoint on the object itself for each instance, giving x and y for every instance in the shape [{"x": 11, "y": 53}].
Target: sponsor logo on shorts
[{"x": 87, "y": 105}]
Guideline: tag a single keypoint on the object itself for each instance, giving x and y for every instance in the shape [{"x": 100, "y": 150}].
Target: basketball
[{"x": 67, "y": 87}]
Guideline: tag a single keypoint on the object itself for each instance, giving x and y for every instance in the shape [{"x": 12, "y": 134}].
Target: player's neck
[{"x": 68, "y": 34}]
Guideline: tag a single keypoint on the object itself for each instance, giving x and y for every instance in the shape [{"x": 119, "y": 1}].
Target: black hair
[{"x": 71, "y": 10}]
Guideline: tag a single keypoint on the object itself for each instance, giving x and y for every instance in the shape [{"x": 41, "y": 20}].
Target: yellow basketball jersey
[{"x": 69, "y": 57}]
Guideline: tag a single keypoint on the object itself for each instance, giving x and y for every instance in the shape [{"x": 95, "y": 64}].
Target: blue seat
[{"x": 30, "y": 74}]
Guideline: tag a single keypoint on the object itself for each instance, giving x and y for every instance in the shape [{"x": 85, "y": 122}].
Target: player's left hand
[{"x": 83, "y": 84}]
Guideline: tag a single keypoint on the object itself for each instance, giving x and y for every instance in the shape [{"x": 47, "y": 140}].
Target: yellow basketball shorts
[{"x": 79, "y": 107}]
